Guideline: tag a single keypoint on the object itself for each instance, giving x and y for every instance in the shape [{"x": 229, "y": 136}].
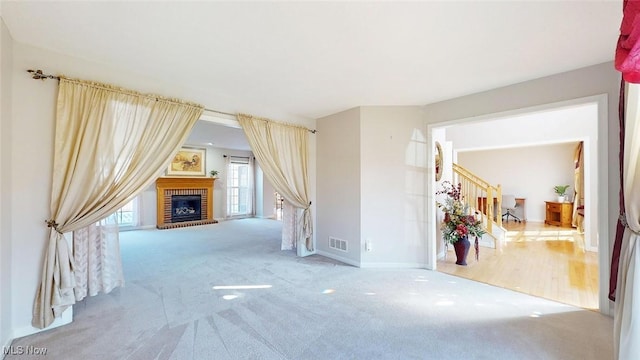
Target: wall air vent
[{"x": 337, "y": 244}]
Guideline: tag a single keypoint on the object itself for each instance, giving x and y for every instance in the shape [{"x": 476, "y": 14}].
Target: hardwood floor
[{"x": 537, "y": 259}]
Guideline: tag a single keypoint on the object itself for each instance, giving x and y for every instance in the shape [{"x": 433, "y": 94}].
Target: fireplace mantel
[{"x": 168, "y": 186}]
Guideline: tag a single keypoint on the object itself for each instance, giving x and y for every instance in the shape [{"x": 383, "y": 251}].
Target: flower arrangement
[{"x": 458, "y": 222}]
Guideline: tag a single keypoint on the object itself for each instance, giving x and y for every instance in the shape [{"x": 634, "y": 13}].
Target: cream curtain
[
  {"x": 282, "y": 152},
  {"x": 96, "y": 255},
  {"x": 110, "y": 144},
  {"x": 578, "y": 184},
  {"x": 627, "y": 306}
]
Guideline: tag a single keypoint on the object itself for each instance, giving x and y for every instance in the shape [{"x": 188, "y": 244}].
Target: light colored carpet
[{"x": 315, "y": 308}]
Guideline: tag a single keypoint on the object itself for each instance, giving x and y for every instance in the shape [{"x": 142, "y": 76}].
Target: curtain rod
[
  {"x": 237, "y": 157},
  {"x": 39, "y": 75}
]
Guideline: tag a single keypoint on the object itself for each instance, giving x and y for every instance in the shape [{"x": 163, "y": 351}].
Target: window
[
  {"x": 128, "y": 215},
  {"x": 278, "y": 205},
  {"x": 239, "y": 190}
]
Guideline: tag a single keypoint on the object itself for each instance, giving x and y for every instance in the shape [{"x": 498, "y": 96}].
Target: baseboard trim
[
  {"x": 65, "y": 319},
  {"x": 378, "y": 265},
  {"x": 338, "y": 258},
  {"x": 371, "y": 265},
  {"x": 134, "y": 228}
]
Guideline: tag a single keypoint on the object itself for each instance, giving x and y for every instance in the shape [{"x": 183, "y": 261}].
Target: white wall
[
  {"x": 32, "y": 133},
  {"x": 527, "y": 172},
  {"x": 338, "y": 205},
  {"x": 585, "y": 82},
  {"x": 268, "y": 198},
  {"x": 570, "y": 123},
  {"x": 6, "y": 186},
  {"x": 371, "y": 185},
  {"x": 265, "y": 196},
  {"x": 31, "y": 138},
  {"x": 393, "y": 150},
  {"x": 147, "y": 209}
]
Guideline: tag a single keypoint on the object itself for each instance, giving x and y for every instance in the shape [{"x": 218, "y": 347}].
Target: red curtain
[
  {"x": 628, "y": 49},
  {"x": 617, "y": 243}
]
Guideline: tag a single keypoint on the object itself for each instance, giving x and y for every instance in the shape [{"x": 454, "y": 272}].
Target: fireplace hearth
[{"x": 184, "y": 202}]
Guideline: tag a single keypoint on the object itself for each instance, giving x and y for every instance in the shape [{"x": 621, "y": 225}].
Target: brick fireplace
[{"x": 184, "y": 201}]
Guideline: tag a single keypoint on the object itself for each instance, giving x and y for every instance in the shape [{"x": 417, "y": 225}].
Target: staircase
[{"x": 485, "y": 199}]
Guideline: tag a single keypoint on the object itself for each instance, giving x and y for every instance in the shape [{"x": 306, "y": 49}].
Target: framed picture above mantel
[{"x": 189, "y": 161}]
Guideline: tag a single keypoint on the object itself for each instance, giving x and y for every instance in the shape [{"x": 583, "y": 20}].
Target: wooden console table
[{"x": 559, "y": 214}]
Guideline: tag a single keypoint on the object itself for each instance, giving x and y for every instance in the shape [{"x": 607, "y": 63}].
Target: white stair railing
[{"x": 480, "y": 195}]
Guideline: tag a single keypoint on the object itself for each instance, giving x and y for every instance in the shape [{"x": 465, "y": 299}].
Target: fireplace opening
[{"x": 186, "y": 208}]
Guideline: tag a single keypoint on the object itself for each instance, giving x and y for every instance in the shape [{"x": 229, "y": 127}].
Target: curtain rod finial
[
  {"x": 39, "y": 75},
  {"x": 36, "y": 74}
]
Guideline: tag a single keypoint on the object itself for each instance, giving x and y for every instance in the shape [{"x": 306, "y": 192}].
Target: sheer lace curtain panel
[
  {"x": 110, "y": 144},
  {"x": 289, "y": 214},
  {"x": 96, "y": 256},
  {"x": 282, "y": 152}
]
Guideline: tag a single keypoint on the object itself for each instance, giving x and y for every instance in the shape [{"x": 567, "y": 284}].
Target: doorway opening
[{"x": 561, "y": 123}]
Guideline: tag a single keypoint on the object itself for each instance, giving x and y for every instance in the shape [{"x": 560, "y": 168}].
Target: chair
[{"x": 508, "y": 207}]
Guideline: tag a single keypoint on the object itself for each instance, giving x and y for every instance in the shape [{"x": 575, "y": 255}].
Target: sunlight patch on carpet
[{"x": 241, "y": 287}]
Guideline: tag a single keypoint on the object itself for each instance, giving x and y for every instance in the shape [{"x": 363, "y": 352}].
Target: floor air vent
[{"x": 337, "y": 244}]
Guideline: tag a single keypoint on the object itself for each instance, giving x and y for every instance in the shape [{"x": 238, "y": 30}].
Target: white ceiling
[
  {"x": 206, "y": 133},
  {"x": 291, "y": 60}
]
